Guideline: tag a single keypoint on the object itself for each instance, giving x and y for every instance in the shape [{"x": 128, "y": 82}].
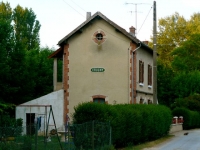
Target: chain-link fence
[{"x": 92, "y": 135}]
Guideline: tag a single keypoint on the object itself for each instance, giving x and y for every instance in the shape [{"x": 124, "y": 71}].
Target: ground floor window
[{"x": 99, "y": 100}]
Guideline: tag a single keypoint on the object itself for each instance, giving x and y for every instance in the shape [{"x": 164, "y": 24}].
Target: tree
[
  {"x": 26, "y": 27},
  {"x": 191, "y": 102},
  {"x": 187, "y": 56},
  {"x": 172, "y": 32},
  {"x": 6, "y": 46},
  {"x": 186, "y": 83},
  {"x": 165, "y": 76}
]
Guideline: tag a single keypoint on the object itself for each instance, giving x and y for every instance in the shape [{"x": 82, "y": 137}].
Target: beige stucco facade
[
  {"x": 144, "y": 91},
  {"x": 112, "y": 55}
]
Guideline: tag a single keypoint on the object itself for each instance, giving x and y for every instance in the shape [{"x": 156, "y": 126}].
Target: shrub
[
  {"x": 131, "y": 124},
  {"x": 191, "y": 118}
]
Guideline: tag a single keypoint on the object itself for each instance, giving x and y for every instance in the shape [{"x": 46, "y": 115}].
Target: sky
[{"x": 59, "y": 17}]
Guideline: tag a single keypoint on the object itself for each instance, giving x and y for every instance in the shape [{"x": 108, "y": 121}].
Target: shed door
[{"x": 30, "y": 128}]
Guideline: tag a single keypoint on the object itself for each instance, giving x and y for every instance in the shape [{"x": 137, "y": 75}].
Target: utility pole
[
  {"x": 155, "y": 101},
  {"x": 135, "y": 13}
]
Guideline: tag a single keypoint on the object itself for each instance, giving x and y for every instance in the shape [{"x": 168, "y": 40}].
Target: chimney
[
  {"x": 88, "y": 15},
  {"x": 146, "y": 42},
  {"x": 132, "y": 31}
]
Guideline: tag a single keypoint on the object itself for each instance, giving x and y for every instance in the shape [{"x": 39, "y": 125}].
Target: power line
[
  {"x": 73, "y": 8},
  {"x": 96, "y": 25},
  {"x": 78, "y": 5},
  {"x": 145, "y": 19}
]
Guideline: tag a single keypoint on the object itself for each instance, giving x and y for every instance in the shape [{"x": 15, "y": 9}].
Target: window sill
[
  {"x": 141, "y": 84},
  {"x": 149, "y": 86}
]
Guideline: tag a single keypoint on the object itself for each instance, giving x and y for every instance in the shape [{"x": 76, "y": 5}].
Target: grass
[
  {"x": 149, "y": 144},
  {"x": 54, "y": 144}
]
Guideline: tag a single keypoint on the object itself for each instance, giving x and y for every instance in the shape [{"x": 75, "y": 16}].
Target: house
[{"x": 102, "y": 63}]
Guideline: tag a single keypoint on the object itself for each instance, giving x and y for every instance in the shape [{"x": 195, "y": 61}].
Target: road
[{"x": 181, "y": 141}]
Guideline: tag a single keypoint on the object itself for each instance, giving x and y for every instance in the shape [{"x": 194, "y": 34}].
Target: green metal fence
[{"x": 92, "y": 135}]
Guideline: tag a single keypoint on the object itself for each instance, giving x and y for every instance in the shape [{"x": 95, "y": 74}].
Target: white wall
[{"x": 55, "y": 99}]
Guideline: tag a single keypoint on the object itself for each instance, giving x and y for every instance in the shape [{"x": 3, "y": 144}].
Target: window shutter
[
  {"x": 140, "y": 71},
  {"x": 149, "y": 75}
]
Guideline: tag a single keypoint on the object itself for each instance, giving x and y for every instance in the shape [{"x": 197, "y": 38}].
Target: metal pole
[
  {"x": 154, "y": 55},
  {"x": 55, "y": 126}
]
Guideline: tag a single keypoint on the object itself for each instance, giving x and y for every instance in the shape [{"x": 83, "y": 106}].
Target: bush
[
  {"x": 191, "y": 118},
  {"x": 131, "y": 124}
]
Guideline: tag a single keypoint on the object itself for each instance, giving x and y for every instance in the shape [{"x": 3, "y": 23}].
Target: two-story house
[{"x": 102, "y": 63}]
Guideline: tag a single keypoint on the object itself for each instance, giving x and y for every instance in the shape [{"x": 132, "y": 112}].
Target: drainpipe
[{"x": 133, "y": 70}]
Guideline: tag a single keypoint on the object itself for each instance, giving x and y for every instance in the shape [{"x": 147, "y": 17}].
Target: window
[
  {"x": 99, "y": 36},
  {"x": 141, "y": 71},
  {"x": 141, "y": 100},
  {"x": 99, "y": 100},
  {"x": 149, "y": 75},
  {"x": 149, "y": 101}
]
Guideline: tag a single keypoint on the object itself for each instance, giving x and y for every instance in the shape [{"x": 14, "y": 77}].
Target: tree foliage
[
  {"x": 172, "y": 32},
  {"x": 25, "y": 70},
  {"x": 187, "y": 56}
]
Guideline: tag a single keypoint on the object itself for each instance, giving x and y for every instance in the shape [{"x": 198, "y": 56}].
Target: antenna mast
[{"x": 135, "y": 13}]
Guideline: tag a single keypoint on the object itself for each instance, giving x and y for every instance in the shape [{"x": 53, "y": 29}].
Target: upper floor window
[
  {"x": 149, "y": 75},
  {"x": 99, "y": 36},
  {"x": 141, "y": 71}
]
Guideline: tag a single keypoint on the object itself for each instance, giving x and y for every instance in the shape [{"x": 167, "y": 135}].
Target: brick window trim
[{"x": 98, "y": 42}]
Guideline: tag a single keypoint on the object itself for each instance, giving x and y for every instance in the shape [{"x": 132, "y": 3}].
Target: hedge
[
  {"x": 191, "y": 118},
  {"x": 131, "y": 124}
]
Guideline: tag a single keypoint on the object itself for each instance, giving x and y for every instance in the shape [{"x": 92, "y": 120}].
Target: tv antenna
[{"x": 135, "y": 12}]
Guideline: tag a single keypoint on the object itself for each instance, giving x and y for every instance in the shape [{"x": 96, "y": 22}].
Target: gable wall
[
  {"x": 112, "y": 55},
  {"x": 55, "y": 99}
]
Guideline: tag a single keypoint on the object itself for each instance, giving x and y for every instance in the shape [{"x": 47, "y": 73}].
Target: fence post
[
  {"x": 110, "y": 135},
  {"x": 36, "y": 135},
  {"x": 93, "y": 135}
]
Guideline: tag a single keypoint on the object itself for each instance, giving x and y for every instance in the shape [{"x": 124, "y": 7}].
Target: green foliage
[
  {"x": 165, "y": 75},
  {"x": 26, "y": 27},
  {"x": 27, "y": 72},
  {"x": 191, "y": 118},
  {"x": 173, "y": 30},
  {"x": 186, "y": 57},
  {"x": 131, "y": 124},
  {"x": 185, "y": 84},
  {"x": 191, "y": 102}
]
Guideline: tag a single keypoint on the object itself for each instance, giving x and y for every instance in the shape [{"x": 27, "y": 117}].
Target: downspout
[{"x": 133, "y": 71}]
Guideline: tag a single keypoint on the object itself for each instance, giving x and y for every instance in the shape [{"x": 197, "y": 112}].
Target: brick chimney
[
  {"x": 88, "y": 15},
  {"x": 132, "y": 31},
  {"x": 146, "y": 42}
]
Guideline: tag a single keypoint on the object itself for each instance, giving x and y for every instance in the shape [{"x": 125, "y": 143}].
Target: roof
[{"x": 99, "y": 14}]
